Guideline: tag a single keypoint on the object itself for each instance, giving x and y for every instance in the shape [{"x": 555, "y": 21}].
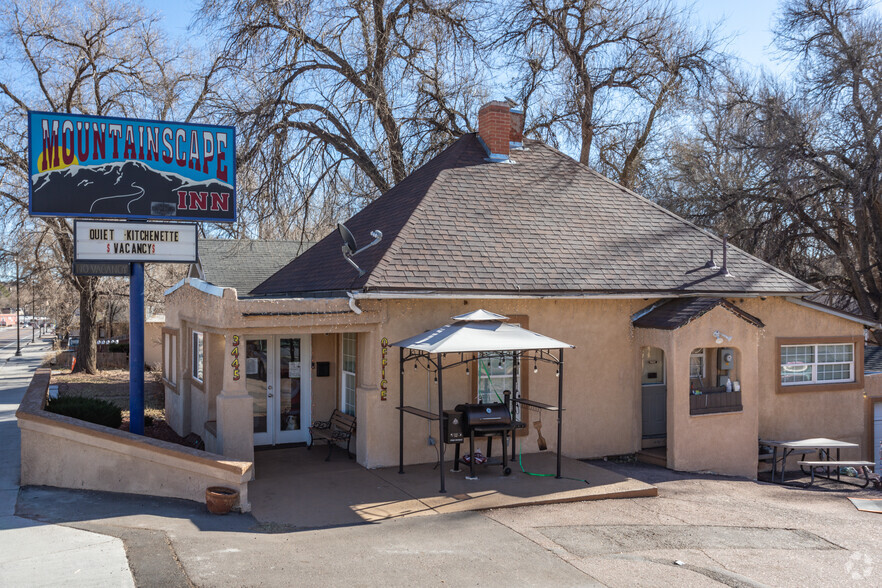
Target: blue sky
[{"x": 748, "y": 22}]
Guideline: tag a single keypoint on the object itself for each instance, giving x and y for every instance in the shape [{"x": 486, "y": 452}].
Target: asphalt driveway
[{"x": 699, "y": 531}]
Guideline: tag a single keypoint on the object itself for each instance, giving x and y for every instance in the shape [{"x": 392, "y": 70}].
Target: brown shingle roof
[
  {"x": 679, "y": 312},
  {"x": 540, "y": 223}
]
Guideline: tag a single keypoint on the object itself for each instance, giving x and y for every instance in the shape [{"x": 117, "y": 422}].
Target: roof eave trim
[
  {"x": 460, "y": 294},
  {"x": 832, "y": 311}
]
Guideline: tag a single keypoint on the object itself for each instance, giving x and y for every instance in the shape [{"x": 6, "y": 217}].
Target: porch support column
[
  {"x": 235, "y": 408},
  {"x": 440, "y": 416},
  {"x": 560, "y": 375}
]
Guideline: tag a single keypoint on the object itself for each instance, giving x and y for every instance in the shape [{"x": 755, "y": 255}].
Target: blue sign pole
[{"x": 136, "y": 349}]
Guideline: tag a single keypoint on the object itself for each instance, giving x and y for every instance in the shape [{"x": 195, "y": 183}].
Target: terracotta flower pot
[{"x": 220, "y": 500}]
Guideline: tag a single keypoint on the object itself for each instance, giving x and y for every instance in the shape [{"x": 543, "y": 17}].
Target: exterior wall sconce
[{"x": 720, "y": 336}]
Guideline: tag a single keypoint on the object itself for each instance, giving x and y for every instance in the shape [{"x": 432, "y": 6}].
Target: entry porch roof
[
  {"x": 480, "y": 331},
  {"x": 671, "y": 314}
]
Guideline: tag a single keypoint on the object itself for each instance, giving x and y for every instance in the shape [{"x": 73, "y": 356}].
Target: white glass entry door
[{"x": 277, "y": 370}]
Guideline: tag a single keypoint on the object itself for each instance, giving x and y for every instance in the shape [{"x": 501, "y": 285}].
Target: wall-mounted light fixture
[{"x": 720, "y": 336}]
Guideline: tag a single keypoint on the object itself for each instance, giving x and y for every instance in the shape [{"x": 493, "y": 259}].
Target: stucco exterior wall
[
  {"x": 174, "y": 411},
  {"x": 67, "y": 453},
  {"x": 153, "y": 345},
  {"x": 225, "y": 316},
  {"x": 724, "y": 443},
  {"x": 324, "y": 390},
  {"x": 801, "y": 413},
  {"x": 602, "y": 392}
]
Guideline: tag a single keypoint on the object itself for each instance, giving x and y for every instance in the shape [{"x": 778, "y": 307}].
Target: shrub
[{"x": 91, "y": 410}]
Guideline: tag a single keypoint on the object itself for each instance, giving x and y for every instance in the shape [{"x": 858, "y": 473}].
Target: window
[
  {"x": 495, "y": 375},
  {"x": 169, "y": 357},
  {"x": 829, "y": 363},
  {"x": 347, "y": 381},
  {"x": 198, "y": 356},
  {"x": 697, "y": 364},
  {"x": 653, "y": 366}
]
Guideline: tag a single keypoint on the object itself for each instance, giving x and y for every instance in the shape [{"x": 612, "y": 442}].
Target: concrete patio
[{"x": 297, "y": 487}]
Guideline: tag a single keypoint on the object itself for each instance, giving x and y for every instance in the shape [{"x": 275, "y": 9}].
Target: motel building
[{"x": 684, "y": 347}]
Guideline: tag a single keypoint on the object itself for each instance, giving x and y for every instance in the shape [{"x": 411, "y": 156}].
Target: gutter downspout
[{"x": 352, "y": 304}]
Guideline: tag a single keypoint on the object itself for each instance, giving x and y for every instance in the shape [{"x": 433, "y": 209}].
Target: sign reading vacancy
[
  {"x": 98, "y": 241},
  {"x": 92, "y": 166}
]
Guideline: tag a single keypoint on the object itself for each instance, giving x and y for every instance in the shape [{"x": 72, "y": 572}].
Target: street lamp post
[
  {"x": 33, "y": 311},
  {"x": 17, "y": 313}
]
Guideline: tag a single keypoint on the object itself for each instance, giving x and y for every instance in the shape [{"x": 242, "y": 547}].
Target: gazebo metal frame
[{"x": 435, "y": 362}]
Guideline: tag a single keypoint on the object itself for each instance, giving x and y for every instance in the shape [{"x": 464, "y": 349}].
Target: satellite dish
[
  {"x": 350, "y": 248},
  {"x": 348, "y": 239}
]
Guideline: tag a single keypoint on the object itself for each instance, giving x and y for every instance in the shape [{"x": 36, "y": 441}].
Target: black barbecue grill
[
  {"x": 479, "y": 420},
  {"x": 477, "y": 415}
]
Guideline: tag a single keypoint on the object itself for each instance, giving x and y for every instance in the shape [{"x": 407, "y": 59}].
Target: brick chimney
[{"x": 501, "y": 128}]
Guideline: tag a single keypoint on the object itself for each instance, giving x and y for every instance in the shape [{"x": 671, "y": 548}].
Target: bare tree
[
  {"x": 337, "y": 101},
  {"x": 604, "y": 74},
  {"x": 94, "y": 57},
  {"x": 804, "y": 160}
]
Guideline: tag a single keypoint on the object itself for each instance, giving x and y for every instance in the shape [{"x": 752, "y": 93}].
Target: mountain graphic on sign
[{"x": 121, "y": 188}]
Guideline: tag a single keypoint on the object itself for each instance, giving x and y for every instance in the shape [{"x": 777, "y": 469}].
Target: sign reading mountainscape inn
[
  {"x": 133, "y": 169},
  {"x": 92, "y": 166}
]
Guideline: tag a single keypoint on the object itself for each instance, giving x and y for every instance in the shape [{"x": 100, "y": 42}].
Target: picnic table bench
[
  {"x": 861, "y": 466},
  {"x": 823, "y": 446},
  {"x": 338, "y": 428},
  {"x": 825, "y": 459}
]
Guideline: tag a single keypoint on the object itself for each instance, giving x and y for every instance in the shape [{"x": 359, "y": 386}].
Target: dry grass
[{"x": 113, "y": 386}]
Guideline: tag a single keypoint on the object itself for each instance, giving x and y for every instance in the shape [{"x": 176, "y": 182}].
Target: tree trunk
[
  {"x": 586, "y": 122},
  {"x": 87, "y": 353}
]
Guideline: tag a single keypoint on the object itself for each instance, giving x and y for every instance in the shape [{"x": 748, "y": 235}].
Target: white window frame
[
  {"x": 169, "y": 357},
  {"x": 493, "y": 358},
  {"x": 814, "y": 365},
  {"x": 198, "y": 356},
  {"x": 344, "y": 374},
  {"x": 703, "y": 355}
]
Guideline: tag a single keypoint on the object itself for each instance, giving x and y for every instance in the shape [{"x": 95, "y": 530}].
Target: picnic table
[{"x": 823, "y": 446}]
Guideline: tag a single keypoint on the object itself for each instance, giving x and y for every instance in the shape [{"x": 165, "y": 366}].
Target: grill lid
[{"x": 493, "y": 413}]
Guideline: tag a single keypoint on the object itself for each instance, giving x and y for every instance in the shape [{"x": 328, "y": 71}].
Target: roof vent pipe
[
  {"x": 712, "y": 264},
  {"x": 725, "y": 270}
]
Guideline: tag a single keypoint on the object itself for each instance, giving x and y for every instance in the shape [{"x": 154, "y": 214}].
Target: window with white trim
[
  {"x": 697, "y": 364},
  {"x": 827, "y": 363},
  {"x": 169, "y": 355},
  {"x": 495, "y": 375},
  {"x": 347, "y": 380},
  {"x": 198, "y": 356}
]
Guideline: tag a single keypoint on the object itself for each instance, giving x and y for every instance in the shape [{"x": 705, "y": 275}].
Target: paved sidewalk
[{"x": 33, "y": 553}]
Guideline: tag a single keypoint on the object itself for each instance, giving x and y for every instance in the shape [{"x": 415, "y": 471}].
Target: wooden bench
[
  {"x": 861, "y": 466},
  {"x": 340, "y": 427}
]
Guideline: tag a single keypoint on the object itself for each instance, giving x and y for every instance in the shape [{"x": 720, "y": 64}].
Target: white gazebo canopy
[{"x": 479, "y": 331}]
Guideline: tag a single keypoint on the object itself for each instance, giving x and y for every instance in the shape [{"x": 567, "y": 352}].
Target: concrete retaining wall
[{"x": 68, "y": 453}]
